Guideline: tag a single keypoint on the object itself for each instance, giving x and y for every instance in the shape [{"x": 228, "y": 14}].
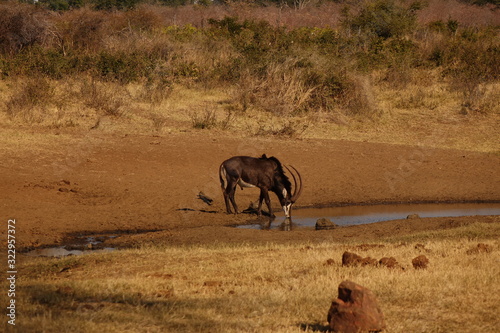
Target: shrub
[
  {"x": 122, "y": 67},
  {"x": 105, "y": 99},
  {"x": 143, "y": 18},
  {"x": 21, "y": 26},
  {"x": 206, "y": 119},
  {"x": 81, "y": 30},
  {"x": 31, "y": 99},
  {"x": 286, "y": 128},
  {"x": 159, "y": 121},
  {"x": 156, "y": 89},
  {"x": 472, "y": 64},
  {"x": 255, "y": 40},
  {"x": 383, "y": 18},
  {"x": 114, "y": 4},
  {"x": 280, "y": 89},
  {"x": 61, "y": 5}
]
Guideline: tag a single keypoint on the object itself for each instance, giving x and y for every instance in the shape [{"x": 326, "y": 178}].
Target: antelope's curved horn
[{"x": 297, "y": 191}]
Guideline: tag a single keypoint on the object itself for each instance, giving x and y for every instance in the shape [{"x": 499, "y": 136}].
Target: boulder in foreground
[
  {"x": 420, "y": 262},
  {"x": 355, "y": 310}
]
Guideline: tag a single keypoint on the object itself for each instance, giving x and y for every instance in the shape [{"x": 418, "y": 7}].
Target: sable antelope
[{"x": 265, "y": 173}]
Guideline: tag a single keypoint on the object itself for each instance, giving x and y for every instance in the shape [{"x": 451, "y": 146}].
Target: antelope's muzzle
[{"x": 287, "y": 208}]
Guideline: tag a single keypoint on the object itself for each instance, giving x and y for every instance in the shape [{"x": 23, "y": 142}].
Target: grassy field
[
  {"x": 417, "y": 115},
  {"x": 264, "y": 288}
]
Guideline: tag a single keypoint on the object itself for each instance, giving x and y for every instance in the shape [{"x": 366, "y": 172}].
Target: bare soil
[{"x": 59, "y": 186}]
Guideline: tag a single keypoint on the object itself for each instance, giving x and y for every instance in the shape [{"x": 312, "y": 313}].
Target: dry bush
[
  {"x": 107, "y": 99},
  {"x": 318, "y": 15},
  {"x": 398, "y": 75},
  {"x": 463, "y": 13},
  {"x": 474, "y": 67},
  {"x": 207, "y": 118},
  {"x": 82, "y": 29},
  {"x": 311, "y": 13},
  {"x": 416, "y": 97},
  {"x": 292, "y": 87},
  {"x": 281, "y": 90},
  {"x": 156, "y": 90},
  {"x": 21, "y": 26},
  {"x": 143, "y": 18},
  {"x": 159, "y": 121},
  {"x": 287, "y": 128},
  {"x": 197, "y": 59},
  {"x": 359, "y": 100},
  {"x": 31, "y": 99},
  {"x": 482, "y": 99}
]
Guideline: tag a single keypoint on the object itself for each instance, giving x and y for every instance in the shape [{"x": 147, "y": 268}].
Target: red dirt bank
[{"x": 103, "y": 183}]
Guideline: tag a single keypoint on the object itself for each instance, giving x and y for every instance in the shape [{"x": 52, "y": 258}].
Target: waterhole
[
  {"x": 353, "y": 215},
  {"x": 62, "y": 252},
  {"x": 84, "y": 245}
]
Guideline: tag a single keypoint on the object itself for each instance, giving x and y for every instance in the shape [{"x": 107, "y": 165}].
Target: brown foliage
[
  {"x": 82, "y": 29},
  {"x": 21, "y": 26}
]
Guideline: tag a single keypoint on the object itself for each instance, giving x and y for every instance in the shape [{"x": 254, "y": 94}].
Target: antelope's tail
[{"x": 223, "y": 177}]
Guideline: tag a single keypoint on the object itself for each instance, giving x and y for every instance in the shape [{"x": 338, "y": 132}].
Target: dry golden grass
[
  {"x": 424, "y": 113},
  {"x": 272, "y": 288}
]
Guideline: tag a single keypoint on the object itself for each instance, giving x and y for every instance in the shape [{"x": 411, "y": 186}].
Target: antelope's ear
[{"x": 263, "y": 156}]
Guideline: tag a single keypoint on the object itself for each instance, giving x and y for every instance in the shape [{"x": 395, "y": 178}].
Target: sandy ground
[{"x": 144, "y": 188}]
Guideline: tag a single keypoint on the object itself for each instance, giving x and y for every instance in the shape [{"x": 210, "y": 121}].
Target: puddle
[
  {"x": 82, "y": 245},
  {"x": 62, "y": 252},
  {"x": 353, "y": 215}
]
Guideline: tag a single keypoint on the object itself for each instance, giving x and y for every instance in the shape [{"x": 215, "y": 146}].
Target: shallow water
[
  {"x": 86, "y": 245},
  {"x": 353, "y": 215},
  {"x": 61, "y": 252}
]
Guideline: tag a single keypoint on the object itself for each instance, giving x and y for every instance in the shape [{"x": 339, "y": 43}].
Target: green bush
[
  {"x": 383, "y": 18},
  {"x": 114, "y": 4},
  {"x": 122, "y": 67},
  {"x": 61, "y": 5},
  {"x": 255, "y": 40}
]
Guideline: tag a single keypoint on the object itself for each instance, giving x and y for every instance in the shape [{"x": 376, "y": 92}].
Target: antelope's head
[{"x": 288, "y": 199}]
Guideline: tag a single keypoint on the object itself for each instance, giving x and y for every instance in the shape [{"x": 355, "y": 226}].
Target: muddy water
[
  {"x": 353, "y": 215},
  {"x": 61, "y": 252},
  {"x": 86, "y": 245}
]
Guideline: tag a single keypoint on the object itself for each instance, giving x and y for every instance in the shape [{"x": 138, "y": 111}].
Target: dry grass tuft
[{"x": 107, "y": 99}]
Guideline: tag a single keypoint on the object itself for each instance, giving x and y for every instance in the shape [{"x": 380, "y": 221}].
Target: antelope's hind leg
[
  {"x": 232, "y": 190},
  {"x": 226, "y": 200},
  {"x": 228, "y": 186}
]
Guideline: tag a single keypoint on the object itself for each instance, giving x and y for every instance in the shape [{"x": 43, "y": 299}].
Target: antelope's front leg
[
  {"x": 259, "y": 207},
  {"x": 268, "y": 203}
]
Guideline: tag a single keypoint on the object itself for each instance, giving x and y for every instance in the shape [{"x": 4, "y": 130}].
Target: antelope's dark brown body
[{"x": 266, "y": 173}]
